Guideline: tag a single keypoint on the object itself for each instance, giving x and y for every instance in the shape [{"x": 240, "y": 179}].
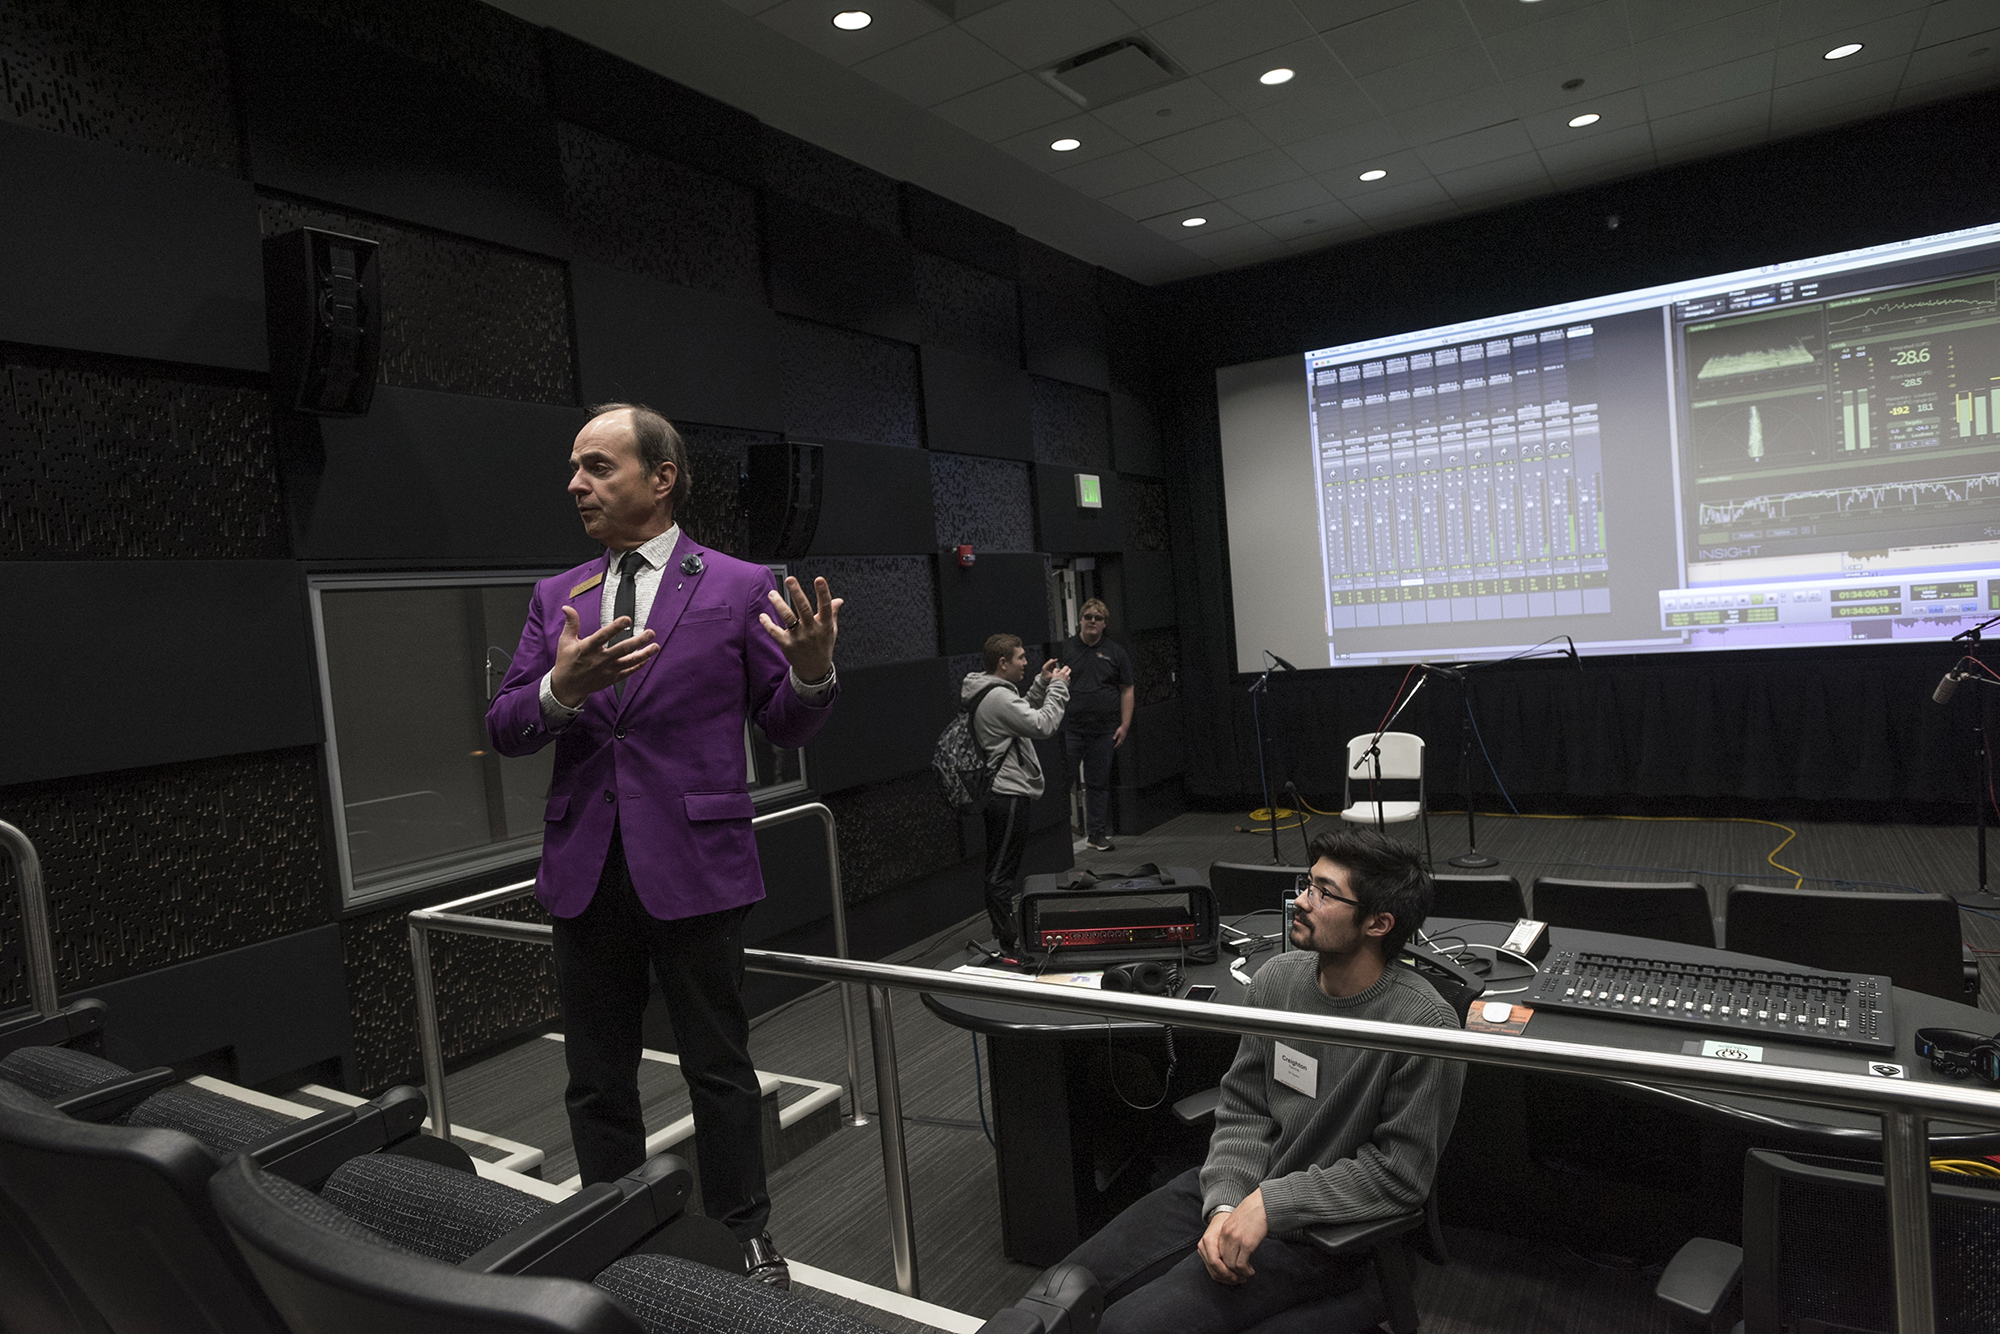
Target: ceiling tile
[
  {"x": 1416, "y": 216},
  {"x": 1560, "y": 40},
  {"x": 1355, "y": 143},
  {"x": 1449, "y": 117},
  {"x": 1098, "y": 140},
  {"x": 1254, "y": 172},
  {"x": 1209, "y": 144},
  {"x": 1315, "y": 70},
  {"x": 1449, "y": 74},
  {"x": 1005, "y": 109},
  {"x": 1148, "y": 12},
  {"x": 1594, "y": 173},
  {"x": 1494, "y": 142},
  {"x": 1968, "y": 62},
  {"x": 753, "y": 7},
  {"x": 1260, "y": 255},
  {"x": 1220, "y": 217},
  {"x": 1651, "y": 18},
  {"x": 1669, "y": 151},
  {"x": 1230, "y": 240},
  {"x": 1523, "y": 172},
  {"x": 810, "y": 23},
  {"x": 1608, "y": 72},
  {"x": 1880, "y": 79},
  {"x": 1803, "y": 118},
  {"x": 1346, "y": 182},
  {"x": 1185, "y": 105},
  {"x": 1801, "y": 19},
  {"x": 1384, "y": 203},
  {"x": 1275, "y": 200},
  {"x": 1618, "y": 111},
  {"x": 1949, "y": 20},
  {"x": 938, "y": 66},
  {"x": 1588, "y": 150},
  {"x": 1121, "y": 171},
  {"x": 1315, "y": 111},
  {"x": 1311, "y": 220},
  {"x": 1707, "y": 87},
  {"x": 1690, "y": 49},
  {"x": 1324, "y": 14},
  {"x": 1033, "y": 33},
  {"x": 1322, "y": 240},
  {"x": 1886, "y": 42},
  {"x": 1176, "y": 193},
  {"x": 1494, "y": 17},
  {"x": 1745, "y": 115},
  {"x": 1399, "y": 36},
  {"x": 1229, "y": 30}
]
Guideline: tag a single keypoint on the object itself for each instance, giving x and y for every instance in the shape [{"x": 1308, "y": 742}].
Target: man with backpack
[{"x": 1005, "y": 724}]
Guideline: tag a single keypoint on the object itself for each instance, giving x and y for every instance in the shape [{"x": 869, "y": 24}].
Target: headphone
[
  {"x": 1958, "y": 1053},
  {"x": 1148, "y": 979}
]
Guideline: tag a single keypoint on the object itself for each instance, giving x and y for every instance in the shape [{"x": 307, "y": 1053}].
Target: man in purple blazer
[{"x": 648, "y": 860}]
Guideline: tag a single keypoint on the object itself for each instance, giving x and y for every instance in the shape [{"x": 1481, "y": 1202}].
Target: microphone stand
[
  {"x": 1980, "y": 897},
  {"x": 1257, "y": 689},
  {"x": 1472, "y": 859},
  {"x": 1373, "y": 755}
]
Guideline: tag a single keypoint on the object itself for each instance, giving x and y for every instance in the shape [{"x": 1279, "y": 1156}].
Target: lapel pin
[{"x": 691, "y": 564}]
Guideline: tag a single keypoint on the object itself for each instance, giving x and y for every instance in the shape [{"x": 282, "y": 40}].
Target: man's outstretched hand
[
  {"x": 805, "y": 632},
  {"x": 587, "y": 665},
  {"x": 1226, "y": 1247}
]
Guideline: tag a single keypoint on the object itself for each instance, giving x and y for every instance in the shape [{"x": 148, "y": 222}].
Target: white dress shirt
[{"x": 654, "y": 556}]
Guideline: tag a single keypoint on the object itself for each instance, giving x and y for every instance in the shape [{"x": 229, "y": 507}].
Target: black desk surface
[{"x": 1913, "y": 1010}]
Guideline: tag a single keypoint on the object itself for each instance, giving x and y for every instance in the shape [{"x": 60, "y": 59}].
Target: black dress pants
[
  {"x": 1006, "y": 840},
  {"x": 603, "y": 956},
  {"x": 1092, "y": 750}
]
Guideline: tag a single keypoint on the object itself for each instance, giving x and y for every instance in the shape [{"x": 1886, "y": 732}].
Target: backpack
[{"x": 963, "y": 769}]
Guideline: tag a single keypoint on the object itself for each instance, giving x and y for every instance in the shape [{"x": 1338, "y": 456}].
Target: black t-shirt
[{"x": 1098, "y": 673}]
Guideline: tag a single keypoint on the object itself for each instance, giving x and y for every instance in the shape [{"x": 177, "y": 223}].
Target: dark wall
[
  {"x": 556, "y": 228},
  {"x": 1801, "y": 729}
]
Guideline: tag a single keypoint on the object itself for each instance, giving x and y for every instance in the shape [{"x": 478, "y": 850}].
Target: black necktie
[{"x": 627, "y": 601}]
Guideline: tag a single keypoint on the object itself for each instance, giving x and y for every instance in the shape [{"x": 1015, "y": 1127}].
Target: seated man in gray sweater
[{"x": 1306, "y": 1134}]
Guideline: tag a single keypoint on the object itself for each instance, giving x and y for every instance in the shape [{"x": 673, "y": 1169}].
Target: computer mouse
[{"x": 1496, "y": 1012}]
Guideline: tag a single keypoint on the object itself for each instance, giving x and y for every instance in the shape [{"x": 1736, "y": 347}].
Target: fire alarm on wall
[
  {"x": 1089, "y": 491},
  {"x": 965, "y": 556}
]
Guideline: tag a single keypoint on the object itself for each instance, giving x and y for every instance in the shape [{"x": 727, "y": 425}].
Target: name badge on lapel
[
  {"x": 1296, "y": 1070},
  {"x": 588, "y": 584}
]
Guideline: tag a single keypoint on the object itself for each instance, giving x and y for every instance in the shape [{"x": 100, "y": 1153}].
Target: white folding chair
[{"x": 1373, "y": 760}]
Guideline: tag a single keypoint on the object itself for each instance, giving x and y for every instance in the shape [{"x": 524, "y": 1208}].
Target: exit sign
[{"x": 1089, "y": 491}]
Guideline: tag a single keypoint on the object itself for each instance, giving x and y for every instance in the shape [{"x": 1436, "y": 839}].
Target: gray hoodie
[{"x": 1004, "y": 716}]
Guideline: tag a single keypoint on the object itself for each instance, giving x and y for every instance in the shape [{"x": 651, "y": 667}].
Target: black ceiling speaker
[
  {"x": 323, "y": 311},
  {"x": 782, "y": 496}
]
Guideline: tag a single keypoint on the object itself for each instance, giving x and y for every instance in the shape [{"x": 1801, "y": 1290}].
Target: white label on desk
[
  {"x": 1732, "y": 1051},
  {"x": 1296, "y": 1070},
  {"x": 1886, "y": 1069}
]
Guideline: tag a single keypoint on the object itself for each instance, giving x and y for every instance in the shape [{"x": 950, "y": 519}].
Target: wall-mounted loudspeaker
[
  {"x": 323, "y": 311},
  {"x": 781, "y": 493}
]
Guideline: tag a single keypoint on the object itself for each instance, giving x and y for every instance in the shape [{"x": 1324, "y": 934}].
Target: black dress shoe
[{"x": 763, "y": 1264}]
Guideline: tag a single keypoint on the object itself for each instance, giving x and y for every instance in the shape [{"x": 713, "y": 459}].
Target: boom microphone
[
  {"x": 1947, "y": 687},
  {"x": 1280, "y": 661}
]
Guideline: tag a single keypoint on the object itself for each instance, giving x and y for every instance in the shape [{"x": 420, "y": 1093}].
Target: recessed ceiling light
[
  {"x": 1571, "y": 85},
  {"x": 1587, "y": 118},
  {"x": 1067, "y": 145},
  {"x": 1374, "y": 175},
  {"x": 1275, "y": 76},
  {"x": 1194, "y": 222},
  {"x": 852, "y": 20},
  {"x": 1842, "y": 52}
]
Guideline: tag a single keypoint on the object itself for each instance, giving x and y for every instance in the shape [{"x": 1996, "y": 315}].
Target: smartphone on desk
[{"x": 1201, "y": 991}]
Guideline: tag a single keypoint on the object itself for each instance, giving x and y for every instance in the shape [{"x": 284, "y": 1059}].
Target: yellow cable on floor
[
  {"x": 1965, "y": 1167},
  {"x": 1771, "y": 856},
  {"x": 1265, "y": 815}
]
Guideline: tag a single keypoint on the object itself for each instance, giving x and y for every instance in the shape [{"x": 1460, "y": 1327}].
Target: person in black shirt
[{"x": 1099, "y": 717}]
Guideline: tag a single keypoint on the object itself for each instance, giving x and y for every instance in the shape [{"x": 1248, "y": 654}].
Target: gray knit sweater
[{"x": 1367, "y": 1144}]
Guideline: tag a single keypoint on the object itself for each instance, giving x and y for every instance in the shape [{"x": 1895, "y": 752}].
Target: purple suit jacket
[{"x": 666, "y": 762}]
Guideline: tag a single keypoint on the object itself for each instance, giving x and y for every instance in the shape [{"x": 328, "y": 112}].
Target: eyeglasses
[
  {"x": 1093, "y": 616},
  {"x": 1306, "y": 889}
]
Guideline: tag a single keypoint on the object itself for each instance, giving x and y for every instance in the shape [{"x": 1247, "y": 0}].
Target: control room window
[{"x": 408, "y": 664}]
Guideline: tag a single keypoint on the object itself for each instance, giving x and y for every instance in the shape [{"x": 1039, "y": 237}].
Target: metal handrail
[
  {"x": 35, "y": 946},
  {"x": 454, "y": 918}
]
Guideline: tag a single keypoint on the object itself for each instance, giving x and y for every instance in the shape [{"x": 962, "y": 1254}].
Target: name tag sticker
[
  {"x": 1732, "y": 1051},
  {"x": 1296, "y": 1070}
]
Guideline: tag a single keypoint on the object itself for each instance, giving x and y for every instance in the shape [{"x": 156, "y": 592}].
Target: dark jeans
[
  {"x": 1153, "y": 1281},
  {"x": 1093, "y": 751},
  {"x": 1006, "y": 839},
  {"x": 603, "y": 956}
]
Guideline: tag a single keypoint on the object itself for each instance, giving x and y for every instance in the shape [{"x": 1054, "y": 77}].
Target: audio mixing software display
[{"x": 1803, "y": 454}]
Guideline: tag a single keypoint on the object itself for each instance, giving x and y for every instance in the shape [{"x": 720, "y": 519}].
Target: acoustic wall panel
[
  {"x": 1065, "y": 527},
  {"x": 495, "y": 176},
  {"x": 1156, "y": 661},
  {"x": 942, "y": 227},
  {"x": 967, "y": 310},
  {"x": 1135, "y": 436},
  {"x": 435, "y": 477},
  {"x": 1072, "y": 426},
  {"x": 466, "y": 37},
  {"x": 211, "y": 658},
  {"x": 875, "y": 501},
  {"x": 1131, "y": 322},
  {"x": 1152, "y": 749},
  {"x": 884, "y": 726},
  {"x": 696, "y": 356},
  {"x": 155, "y": 867},
  {"x": 594, "y": 88},
  {"x": 839, "y": 385},
  {"x": 103, "y": 460},
  {"x": 718, "y": 457},
  {"x": 973, "y": 405},
  {"x": 985, "y": 503},
  {"x": 892, "y": 833},
  {"x": 1144, "y": 514},
  {"x": 999, "y": 594},
  {"x": 1149, "y": 589},
  {"x": 459, "y": 315},
  {"x": 835, "y": 270},
  {"x": 811, "y": 175},
  {"x": 110, "y": 251},
  {"x": 1062, "y": 329},
  {"x": 797, "y": 887},
  {"x": 891, "y": 609}
]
